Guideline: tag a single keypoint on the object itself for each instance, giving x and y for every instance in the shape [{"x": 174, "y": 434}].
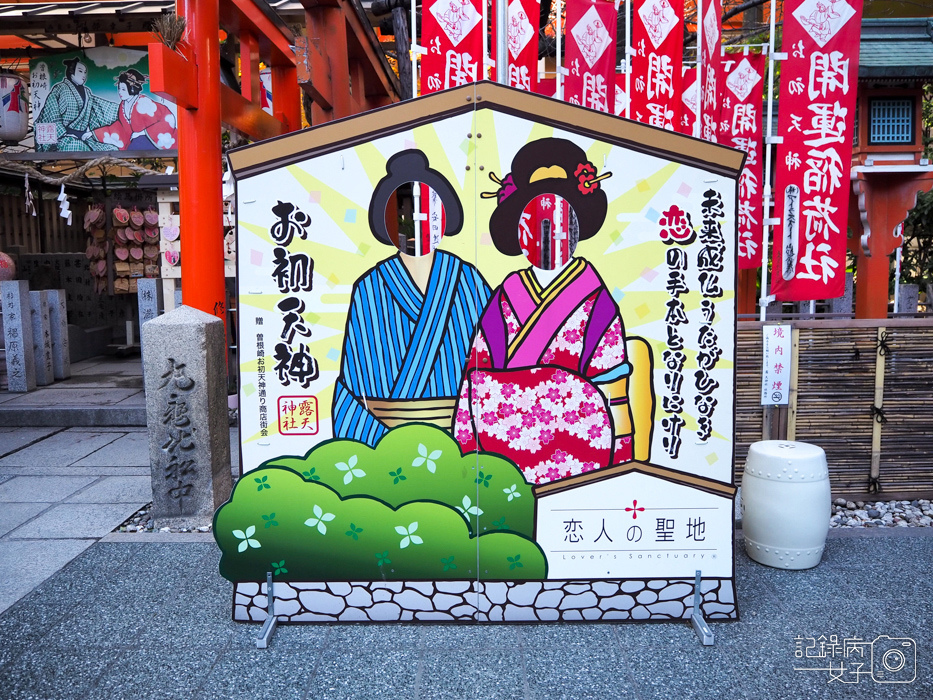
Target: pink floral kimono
[{"x": 530, "y": 391}]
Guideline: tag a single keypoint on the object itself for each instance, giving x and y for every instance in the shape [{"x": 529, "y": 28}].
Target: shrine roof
[{"x": 896, "y": 48}]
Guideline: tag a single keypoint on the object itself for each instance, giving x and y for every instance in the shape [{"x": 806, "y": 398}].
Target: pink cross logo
[{"x": 634, "y": 510}]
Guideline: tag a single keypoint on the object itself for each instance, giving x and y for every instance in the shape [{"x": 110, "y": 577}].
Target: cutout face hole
[
  {"x": 548, "y": 231},
  {"x": 415, "y": 219}
]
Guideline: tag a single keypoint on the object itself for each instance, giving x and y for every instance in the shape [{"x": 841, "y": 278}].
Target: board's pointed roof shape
[{"x": 300, "y": 145}]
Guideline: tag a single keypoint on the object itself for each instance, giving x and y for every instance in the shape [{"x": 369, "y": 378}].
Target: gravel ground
[
  {"x": 881, "y": 513},
  {"x": 141, "y": 521}
]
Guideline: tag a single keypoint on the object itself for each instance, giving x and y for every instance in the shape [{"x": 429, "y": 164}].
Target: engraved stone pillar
[
  {"x": 908, "y": 297},
  {"x": 42, "y": 338},
  {"x": 843, "y": 305},
  {"x": 17, "y": 334},
  {"x": 186, "y": 389},
  {"x": 58, "y": 320},
  {"x": 149, "y": 297}
]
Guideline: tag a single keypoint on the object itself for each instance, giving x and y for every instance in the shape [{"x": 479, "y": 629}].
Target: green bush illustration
[
  {"x": 419, "y": 462},
  {"x": 325, "y": 537}
]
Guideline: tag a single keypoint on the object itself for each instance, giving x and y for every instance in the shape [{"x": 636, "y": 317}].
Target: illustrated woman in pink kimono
[
  {"x": 142, "y": 123},
  {"x": 548, "y": 359}
]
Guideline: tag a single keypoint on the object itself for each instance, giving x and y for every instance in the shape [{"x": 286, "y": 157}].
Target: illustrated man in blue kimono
[
  {"x": 411, "y": 317},
  {"x": 76, "y": 112}
]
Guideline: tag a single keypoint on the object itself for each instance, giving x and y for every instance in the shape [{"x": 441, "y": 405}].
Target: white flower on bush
[
  {"x": 350, "y": 468},
  {"x": 320, "y": 517},
  {"x": 247, "y": 539},
  {"x": 512, "y": 492},
  {"x": 469, "y": 508},
  {"x": 409, "y": 537},
  {"x": 426, "y": 458}
]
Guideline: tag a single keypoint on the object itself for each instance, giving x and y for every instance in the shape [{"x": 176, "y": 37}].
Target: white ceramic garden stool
[{"x": 785, "y": 503}]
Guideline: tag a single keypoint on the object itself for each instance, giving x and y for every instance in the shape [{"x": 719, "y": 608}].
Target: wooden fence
[
  {"x": 47, "y": 232},
  {"x": 842, "y": 369}
]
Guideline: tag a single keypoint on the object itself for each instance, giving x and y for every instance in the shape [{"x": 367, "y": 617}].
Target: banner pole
[
  {"x": 558, "y": 65},
  {"x": 699, "y": 126},
  {"x": 414, "y": 55},
  {"x": 628, "y": 58},
  {"x": 502, "y": 42},
  {"x": 766, "y": 214}
]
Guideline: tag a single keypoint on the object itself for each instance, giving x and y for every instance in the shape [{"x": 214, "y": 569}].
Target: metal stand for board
[
  {"x": 268, "y": 627},
  {"x": 699, "y": 624}
]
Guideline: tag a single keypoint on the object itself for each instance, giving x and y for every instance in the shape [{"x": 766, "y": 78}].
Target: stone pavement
[
  {"x": 61, "y": 490},
  {"x": 102, "y": 391},
  {"x": 133, "y": 618},
  {"x": 87, "y": 614}
]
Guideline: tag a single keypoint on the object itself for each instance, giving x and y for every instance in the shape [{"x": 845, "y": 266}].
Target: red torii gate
[{"x": 191, "y": 78}]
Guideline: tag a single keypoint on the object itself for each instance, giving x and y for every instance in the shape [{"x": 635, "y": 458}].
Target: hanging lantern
[{"x": 14, "y": 107}]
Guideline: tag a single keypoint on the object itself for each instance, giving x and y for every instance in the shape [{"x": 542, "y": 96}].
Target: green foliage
[
  {"x": 326, "y": 537},
  {"x": 420, "y": 462}
]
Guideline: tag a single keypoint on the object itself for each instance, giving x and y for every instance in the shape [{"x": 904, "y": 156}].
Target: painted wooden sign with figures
[{"x": 487, "y": 347}]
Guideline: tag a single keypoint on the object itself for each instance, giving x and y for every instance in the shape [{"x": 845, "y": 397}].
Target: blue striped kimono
[{"x": 400, "y": 344}]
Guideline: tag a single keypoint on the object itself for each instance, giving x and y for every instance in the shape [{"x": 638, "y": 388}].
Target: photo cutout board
[{"x": 487, "y": 358}]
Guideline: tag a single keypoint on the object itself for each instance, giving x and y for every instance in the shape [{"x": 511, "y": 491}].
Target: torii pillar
[
  {"x": 192, "y": 80},
  {"x": 883, "y": 196},
  {"x": 200, "y": 173}
]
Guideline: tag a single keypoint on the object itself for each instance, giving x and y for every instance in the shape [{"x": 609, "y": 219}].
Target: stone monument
[
  {"x": 58, "y": 321},
  {"x": 42, "y": 338},
  {"x": 185, "y": 372},
  {"x": 17, "y": 334}
]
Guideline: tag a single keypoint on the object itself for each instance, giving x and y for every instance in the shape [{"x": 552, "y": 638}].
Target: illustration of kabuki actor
[
  {"x": 142, "y": 123},
  {"x": 76, "y": 112},
  {"x": 410, "y": 322},
  {"x": 548, "y": 365}
]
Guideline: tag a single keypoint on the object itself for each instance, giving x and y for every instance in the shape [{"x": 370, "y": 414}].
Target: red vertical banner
[
  {"x": 429, "y": 218},
  {"x": 740, "y": 127},
  {"x": 712, "y": 68},
  {"x": 658, "y": 40},
  {"x": 591, "y": 54},
  {"x": 689, "y": 101},
  {"x": 819, "y": 80},
  {"x": 452, "y": 33},
  {"x": 524, "y": 18},
  {"x": 621, "y": 99}
]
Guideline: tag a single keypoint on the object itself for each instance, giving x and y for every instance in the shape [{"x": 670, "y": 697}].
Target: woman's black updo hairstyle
[
  {"x": 546, "y": 166},
  {"x": 412, "y": 166},
  {"x": 133, "y": 79}
]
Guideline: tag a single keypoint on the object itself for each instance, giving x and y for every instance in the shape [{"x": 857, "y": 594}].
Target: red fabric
[
  {"x": 148, "y": 118},
  {"x": 712, "y": 69},
  {"x": 524, "y": 21},
  {"x": 658, "y": 39},
  {"x": 818, "y": 86},
  {"x": 687, "y": 124},
  {"x": 452, "y": 34},
  {"x": 546, "y": 87},
  {"x": 591, "y": 54},
  {"x": 740, "y": 127},
  {"x": 621, "y": 98}
]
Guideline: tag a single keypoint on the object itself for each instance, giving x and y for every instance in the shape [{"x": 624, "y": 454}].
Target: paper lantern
[{"x": 14, "y": 107}]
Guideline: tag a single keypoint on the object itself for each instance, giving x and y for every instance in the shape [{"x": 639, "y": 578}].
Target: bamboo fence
[{"x": 843, "y": 369}]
